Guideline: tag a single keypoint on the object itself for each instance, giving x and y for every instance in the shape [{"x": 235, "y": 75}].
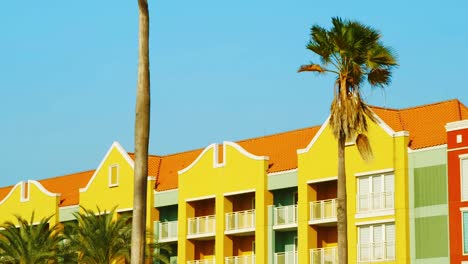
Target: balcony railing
[
  {"x": 240, "y": 220},
  {"x": 323, "y": 211},
  {"x": 167, "y": 231},
  {"x": 285, "y": 215},
  {"x": 380, "y": 251},
  {"x": 246, "y": 259},
  {"x": 202, "y": 226},
  {"x": 286, "y": 258},
  {"x": 328, "y": 255},
  {"x": 202, "y": 261},
  {"x": 375, "y": 201}
]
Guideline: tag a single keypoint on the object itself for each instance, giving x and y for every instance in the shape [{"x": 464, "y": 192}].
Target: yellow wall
[
  {"x": 98, "y": 192},
  {"x": 40, "y": 201},
  {"x": 206, "y": 178},
  {"x": 320, "y": 162}
]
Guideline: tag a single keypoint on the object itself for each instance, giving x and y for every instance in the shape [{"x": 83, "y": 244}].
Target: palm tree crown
[
  {"x": 28, "y": 242},
  {"x": 355, "y": 54}
]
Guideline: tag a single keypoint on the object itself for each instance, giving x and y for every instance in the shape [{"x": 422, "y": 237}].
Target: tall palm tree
[
  {"x": 99, "y": 237},
  {"x": 29, "y": 243},
  {"x": 354, "y": 53},
  {"x": 142, "y": 124}
]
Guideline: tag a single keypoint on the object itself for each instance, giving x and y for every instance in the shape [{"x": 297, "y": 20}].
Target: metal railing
[
  {"x": 245, "y": 259},
  {"x": 286, "y": 257},
  {"x": 202, "y": 261},
  {"x": 202, "y": 225},
  {"x": 380, "y": 251},
  {"x": 285, "y": 215},
  {"x": 240, "y": 220},
  {"x": 323, "y": 210},
  {"x": 167, "y": 231},
  {"x": 375, "y": 201},
  {"x": 328, "y": 255}
]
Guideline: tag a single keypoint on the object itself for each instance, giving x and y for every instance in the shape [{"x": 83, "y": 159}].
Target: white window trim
[
  {"x": 117, "y": 176},
  {"x": 465, "y": 210},
  {"x": 461, "y": 158}
]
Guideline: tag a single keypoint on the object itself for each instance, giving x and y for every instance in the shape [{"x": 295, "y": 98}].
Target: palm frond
[
  {"x": 379, "y": 77},
  {"x": 311, "y": 68},
  {"x": 364, "y": 147}
]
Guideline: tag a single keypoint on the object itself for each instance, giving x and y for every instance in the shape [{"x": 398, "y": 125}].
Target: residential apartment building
[{"x": 272, "y": 199}]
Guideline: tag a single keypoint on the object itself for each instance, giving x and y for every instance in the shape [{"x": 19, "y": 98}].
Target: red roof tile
[{"x": 68, "y": 186}]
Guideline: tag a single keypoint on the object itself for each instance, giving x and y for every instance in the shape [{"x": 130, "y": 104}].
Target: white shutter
[
  {"x": 377, "y": 242},
  {"x": 390, "y": 241},
  {"x": 389, "y": 190},
  {"x": 464, "y": 177},
  {"x": 377, "y": 192},
  {"x": 364, "y": 243},
  {"x": 363, "y": 195}
]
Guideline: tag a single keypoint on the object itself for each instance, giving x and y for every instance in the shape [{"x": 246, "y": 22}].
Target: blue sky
[{"x": 220, "y": 70}]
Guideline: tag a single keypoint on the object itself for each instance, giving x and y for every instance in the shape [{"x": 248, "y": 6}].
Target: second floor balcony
[
  {"x": 328, "y": 255},
  {"x": 285, "y": 217},
  {"x": 245, "y": 259},
  {"x": 167, "y": 231},
  {"x": 323, "y": 212},
  {"x": 201, "y": 227},
  {"x": 240, "y": 222},
  {"x": 286, "y": 258}
]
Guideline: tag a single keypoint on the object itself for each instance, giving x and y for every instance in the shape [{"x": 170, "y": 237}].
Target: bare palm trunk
[
  {"x": 342, "y": 211},
  {"x": 142, "y": 119}
]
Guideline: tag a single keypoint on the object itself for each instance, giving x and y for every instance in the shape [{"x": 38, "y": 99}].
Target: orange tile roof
[
  {"x": 153, "y": 163},
  {"x": 4, "y": 191},
  {"x": 68, "y": 186},
  {"x": 168, "y": 176},
  {"x": 425, "y": 123}
]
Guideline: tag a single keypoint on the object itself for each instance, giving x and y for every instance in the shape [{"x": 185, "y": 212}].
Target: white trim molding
[
  {"x": 200, "y": 198},
  {"x": 381, "y": 221},
  {"x": 282, "y": 172},
  {"x": 457, "y": 125},
  {"x": 239, "y": 192},
  {"x": 117, "y": 176},
  {"x": 332, "y": 178},
  {"x": 369, "y": 173},
  {"x": 315, "y": 138},
  {"x": 427, "y": 149}
]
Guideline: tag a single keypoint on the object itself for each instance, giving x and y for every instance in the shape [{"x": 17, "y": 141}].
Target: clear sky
[{"x": 220, "y": 70}]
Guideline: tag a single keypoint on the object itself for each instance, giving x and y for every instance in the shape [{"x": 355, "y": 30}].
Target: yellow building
[{"x": 271, "y": 199}]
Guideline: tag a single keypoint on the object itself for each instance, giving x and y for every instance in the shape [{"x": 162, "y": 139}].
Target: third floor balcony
[
  {"x": 286, "y": 258},
  {"x": 323, "y": 212},
  {"x": 202, "y": 227},
  {"x": 240, "y": 222},
  {"x": 328, "y": 255},
  {"x": 285, "y": 217},
  {"x": 167, "y": 231}
]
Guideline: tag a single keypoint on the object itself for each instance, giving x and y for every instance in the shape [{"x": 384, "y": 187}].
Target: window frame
[
  {"x": 117, "y": 176},
  {"x": 462, "y": 157},
  {"x": 371, "y": 241},
  {"x": 371, "y": 176}
]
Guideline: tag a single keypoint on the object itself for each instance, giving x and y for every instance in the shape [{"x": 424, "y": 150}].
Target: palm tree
[
  {"x": 142, "y": 119},
  {"x": 159, "y": 252},
  {"x": 99, "y": 237},
  {"x": 27, "y": 242},
  {"x": 353, "y": 52}
]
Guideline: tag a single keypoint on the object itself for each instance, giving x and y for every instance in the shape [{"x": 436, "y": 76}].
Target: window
[
  {"x": 376, "y": 242},
  {"x": 464, "y": 177},
  {"x": 375, "y": 193},
  {"x": 465, "y": 232},
  {"x": 113, "y": 175}
]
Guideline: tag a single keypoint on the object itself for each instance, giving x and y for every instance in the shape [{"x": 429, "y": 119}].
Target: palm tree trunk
[
  {"x": 142, "y": 123},
  {"x": 342, "y": 212}
]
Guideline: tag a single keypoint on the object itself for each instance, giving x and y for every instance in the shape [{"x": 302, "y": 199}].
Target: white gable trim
[
  {"x": 242, "y": 151},
  {"x": 124, "y": 154},
  {"x": 42, "y": 188},
  {"x": 19, "y": 184},
  {"x": 28, "y": 191},
  {"x": 214, "y": 146},
  {"x": 324, "y": 125}
]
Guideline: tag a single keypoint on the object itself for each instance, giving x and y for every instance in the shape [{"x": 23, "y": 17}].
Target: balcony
[
  {"x": 246, "y": 259},
  {"x": 202, "y": 261},
  {"x": 167, "y": 231},
  {"x": 286, "y": 258},
  {"x": 323, "y": 212},
  {"x": 375, "y": 202},
  {"x": 285, "y": 217},
  {"x": 328, "y": 255},
  {"x": 241, "y": 222},
  {"x": 380, "y": 251},
  {"x": 202, "y": 227}
]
